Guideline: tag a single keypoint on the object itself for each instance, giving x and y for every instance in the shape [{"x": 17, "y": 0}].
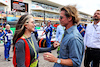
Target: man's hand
[
  {"x": 56, "y": 44},
  {"x": 82, "y": 30},
  {"x": 49, "y": 57}
]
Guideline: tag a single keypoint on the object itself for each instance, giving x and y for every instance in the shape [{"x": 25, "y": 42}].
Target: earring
[{"x": 27, "y": 28}]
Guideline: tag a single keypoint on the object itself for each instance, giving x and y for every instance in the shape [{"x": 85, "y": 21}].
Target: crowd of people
[{"x": 73, "y": 41}]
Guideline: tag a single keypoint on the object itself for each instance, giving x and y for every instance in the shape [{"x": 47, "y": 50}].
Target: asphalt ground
[{"x": 42, "y": 62}]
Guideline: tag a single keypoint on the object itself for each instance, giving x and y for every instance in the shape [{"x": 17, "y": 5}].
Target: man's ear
[{"x": 69, "y": 18}]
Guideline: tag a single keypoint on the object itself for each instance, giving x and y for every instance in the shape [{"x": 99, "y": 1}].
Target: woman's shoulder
[{"x": 20, "y": 43}]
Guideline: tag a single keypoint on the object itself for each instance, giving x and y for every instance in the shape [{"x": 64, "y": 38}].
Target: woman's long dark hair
[{"x": 20, "y": 28}]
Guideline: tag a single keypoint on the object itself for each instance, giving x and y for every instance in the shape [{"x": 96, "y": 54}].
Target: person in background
[
  {"x": 48, "y": 32},
  {"x": 72, "y": 46},
  {"x": 35, "y": 33},
  {"x": 1, "y": 25},
  {"x": 85, "y": 26},
  {"x": 25, "y": 45},
  {"x": 52, "y": 27},
  {"x": 59, "y": 35},
  {"x": 7, "y": 41},
  {"x": 44, "y": 26},
  {"x": 1, "y": 34},
  {"x": 4, "y": 24},
  {"x": 92, "y": 41},
  {"x": 81, "y": 29}
]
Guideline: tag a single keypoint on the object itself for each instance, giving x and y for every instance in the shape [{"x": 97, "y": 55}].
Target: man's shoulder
[
  {"x": 75, "y": 39},
  {"x": 75, "y": 35},
  {"x": 72, "y": 38}
]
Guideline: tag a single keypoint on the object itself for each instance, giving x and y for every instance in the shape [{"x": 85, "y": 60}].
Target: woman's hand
[{"x": 56, "y": 44}]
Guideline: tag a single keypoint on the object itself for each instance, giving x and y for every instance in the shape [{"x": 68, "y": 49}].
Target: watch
[{"x": 58, "y": 61}]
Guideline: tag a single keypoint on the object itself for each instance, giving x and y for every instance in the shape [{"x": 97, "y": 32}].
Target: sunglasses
[{"x": 61, "y": 17}]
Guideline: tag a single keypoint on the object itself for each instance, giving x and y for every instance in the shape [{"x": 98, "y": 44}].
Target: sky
[{"x": 86, "y": 6}]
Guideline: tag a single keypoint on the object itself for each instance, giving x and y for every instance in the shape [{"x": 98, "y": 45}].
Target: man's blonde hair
[{"x": 71, "y": 11}]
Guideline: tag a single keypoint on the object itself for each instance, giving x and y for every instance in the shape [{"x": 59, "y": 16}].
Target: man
[
  {"x": 92, "y": 41},
  {"x": 71, "y": 47},
  {"x": 48, "y": 32},
  {"x": 7, "y": 41}
]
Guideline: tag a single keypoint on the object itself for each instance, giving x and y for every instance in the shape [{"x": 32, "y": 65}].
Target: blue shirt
[
  {"x": 35, "y": 33},
  {"x": 59, "y": 33},
  {"x": 8, "y": 36},
  {"x": 83, "y": 33},
  {"x": 80, "y": 27},
  {"x": 71, "y": 47},
  {"x": 1, "y": 35},
  {"x": 48, "y": 32}
]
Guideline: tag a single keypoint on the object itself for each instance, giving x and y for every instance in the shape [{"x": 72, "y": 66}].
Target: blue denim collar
[{"x": 71, "y": 29}]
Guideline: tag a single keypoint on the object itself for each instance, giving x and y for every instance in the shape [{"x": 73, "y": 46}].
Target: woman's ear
[{"x": 25, "y": 25}]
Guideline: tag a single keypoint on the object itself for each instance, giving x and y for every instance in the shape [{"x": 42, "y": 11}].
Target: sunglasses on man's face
[{"x": 61, "y": 17}]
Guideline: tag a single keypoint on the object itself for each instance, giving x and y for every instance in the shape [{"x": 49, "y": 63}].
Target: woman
[{"x": 25, "y": 47}]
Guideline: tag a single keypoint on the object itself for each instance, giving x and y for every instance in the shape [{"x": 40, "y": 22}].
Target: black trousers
[{"x": 92, "y": 54}]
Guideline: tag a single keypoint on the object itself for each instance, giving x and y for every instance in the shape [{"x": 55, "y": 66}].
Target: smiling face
[
  {"x": 30, "y": 26},
  {"x": 96, "y": 15}
]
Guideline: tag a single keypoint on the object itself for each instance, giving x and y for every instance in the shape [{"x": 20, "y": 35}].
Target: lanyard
[
  {"x": 63, "y": 35},
  {"x": 61, "y": 41},
  {"x": 32, "y": 44},
  {"x": 95, "y": 27},
  {"x": 62, "y": 38}
]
